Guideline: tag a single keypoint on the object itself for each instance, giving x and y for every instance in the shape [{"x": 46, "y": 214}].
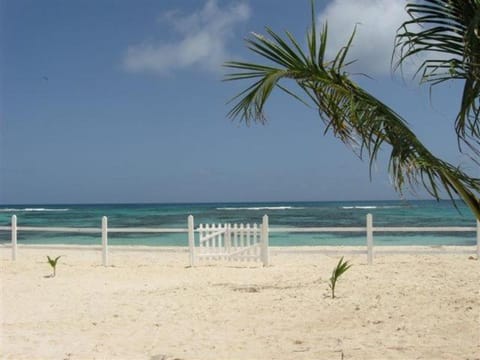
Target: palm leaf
[
  {"x": 53, "y": 263},
  {"x": 336, "y": 273},
  {"x": 350, "y": 113},
  {"x": 449, "y": 31},
  {"x": 340, "y": 268}
]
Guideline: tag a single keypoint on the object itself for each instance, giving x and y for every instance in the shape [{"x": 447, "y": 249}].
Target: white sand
[{"x": 149, "y": 305}]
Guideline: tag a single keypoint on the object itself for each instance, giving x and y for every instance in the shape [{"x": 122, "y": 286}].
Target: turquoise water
[{"x": 284, "y": 214}]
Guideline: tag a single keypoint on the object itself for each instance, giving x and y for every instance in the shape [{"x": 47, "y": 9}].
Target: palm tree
[
  {"x": 449, "y": 30},
  {"x": 350, "y": 113}
]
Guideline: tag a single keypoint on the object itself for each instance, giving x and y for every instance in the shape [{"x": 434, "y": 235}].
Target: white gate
[{"x": 237, "y": 242}]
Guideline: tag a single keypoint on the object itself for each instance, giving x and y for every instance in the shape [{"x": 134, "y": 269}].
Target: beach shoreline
[{"x": 151, "y": 305}]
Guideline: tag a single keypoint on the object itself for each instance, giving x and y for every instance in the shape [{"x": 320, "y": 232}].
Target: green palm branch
[
  {"x": 336, "y": 273},
  {"x": 350, "y": 113},
  {"x": 450, "y": 31},
  {"x": 53, "y": 264}
]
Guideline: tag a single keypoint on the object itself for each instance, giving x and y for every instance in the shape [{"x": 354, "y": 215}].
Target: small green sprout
[
  {"x": 53, "y": 264},
  {"x": 337, "y": 271}
]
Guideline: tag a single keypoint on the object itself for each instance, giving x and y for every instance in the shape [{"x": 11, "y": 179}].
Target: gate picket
[{"x": 231, "y": 242}]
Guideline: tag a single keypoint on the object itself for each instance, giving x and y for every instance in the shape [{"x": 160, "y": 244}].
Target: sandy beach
[{"x": 151, "y": 305}]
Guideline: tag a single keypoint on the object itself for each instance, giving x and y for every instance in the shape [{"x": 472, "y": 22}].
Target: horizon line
[{"x": 223, "y": 202}]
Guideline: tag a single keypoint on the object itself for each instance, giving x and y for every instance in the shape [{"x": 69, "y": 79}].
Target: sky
[{"x": 122, "y": 101}]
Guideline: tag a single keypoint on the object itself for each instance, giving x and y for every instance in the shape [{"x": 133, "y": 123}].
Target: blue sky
[{"x": 122, "y": 101}]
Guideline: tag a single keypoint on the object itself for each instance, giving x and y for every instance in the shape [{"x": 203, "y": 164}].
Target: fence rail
[
  {"x": 368, "y": 230},
  {"x": 377, "y": 229},
  {"x": 90, "y": 230}
]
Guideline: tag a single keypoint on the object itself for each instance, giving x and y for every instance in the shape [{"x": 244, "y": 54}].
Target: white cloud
[
  {"x": 377, "y": 22},
  {"x": 202, "y": 40}
]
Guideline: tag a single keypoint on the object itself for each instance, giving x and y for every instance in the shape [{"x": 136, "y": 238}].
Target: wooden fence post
[
  {"x": 228, "y": 241},
  {"x": 14, "y": 237},
  {"x": 369, "y": 239},
  {"x": 478, "y": 239},
  {"x": 264, "y": 242},
  {"x": 105, "y": 241},
  {"x": 191, "y": 240}
]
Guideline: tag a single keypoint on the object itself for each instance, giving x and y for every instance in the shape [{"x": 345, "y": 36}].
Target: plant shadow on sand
[{"x": 163, "y": 357}]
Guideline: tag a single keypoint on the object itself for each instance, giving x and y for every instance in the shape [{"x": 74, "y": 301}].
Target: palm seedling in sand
[
  {"x": 336, "y": 273},
  {"x": 53, "y": 264}
]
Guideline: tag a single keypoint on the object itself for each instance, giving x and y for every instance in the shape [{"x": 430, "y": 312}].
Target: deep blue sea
[{"x": 281, "y": 214}]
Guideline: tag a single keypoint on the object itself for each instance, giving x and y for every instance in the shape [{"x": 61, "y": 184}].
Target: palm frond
[
  {"x": 350, "y": 113},
  {"x": 448, "y": 31}
]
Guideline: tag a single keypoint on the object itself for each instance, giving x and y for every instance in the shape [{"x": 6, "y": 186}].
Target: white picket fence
[{"x": 237, "y": 242}]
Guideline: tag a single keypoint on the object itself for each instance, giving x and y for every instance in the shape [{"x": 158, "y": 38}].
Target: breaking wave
[
  {"x": 372, "y": 207},
  {"x": 31, "y": 209},
  {"x": 261, "y": 208}
]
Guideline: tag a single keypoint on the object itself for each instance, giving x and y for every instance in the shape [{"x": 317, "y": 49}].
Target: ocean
[{"x": 281, "y": 214}]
